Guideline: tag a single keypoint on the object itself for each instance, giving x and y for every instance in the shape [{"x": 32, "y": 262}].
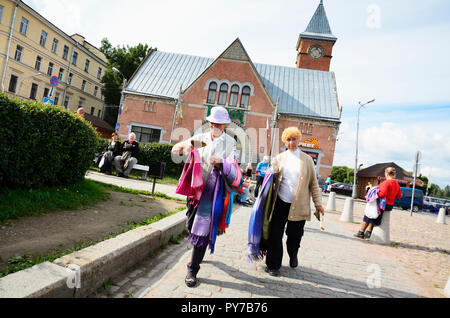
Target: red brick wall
[
  {"x": 134, "y": 111},
  {"x": 306, "y": 61}
]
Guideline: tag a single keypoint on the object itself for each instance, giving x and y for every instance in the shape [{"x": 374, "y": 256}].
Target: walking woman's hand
[{"x": 320, "y": 209}]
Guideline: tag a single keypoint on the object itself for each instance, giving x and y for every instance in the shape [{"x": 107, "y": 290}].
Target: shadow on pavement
[{"x": 276, "y": 287}]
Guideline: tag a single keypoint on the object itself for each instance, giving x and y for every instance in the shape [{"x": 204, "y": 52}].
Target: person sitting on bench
[{"x": 130, "y": 152}]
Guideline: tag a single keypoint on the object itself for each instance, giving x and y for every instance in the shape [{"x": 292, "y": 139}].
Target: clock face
[{"x": 316, "y": 51}]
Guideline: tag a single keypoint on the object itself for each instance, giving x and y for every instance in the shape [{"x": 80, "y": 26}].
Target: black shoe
[
  {"x": 359, "y": 235},
  {"x": 120, "y": 175},
  {"x": 190, "y": 280},
  {"x": 367, "y": 235},
  {"x": 293, "y": 262},
  {"x": 273, "y": 272}
]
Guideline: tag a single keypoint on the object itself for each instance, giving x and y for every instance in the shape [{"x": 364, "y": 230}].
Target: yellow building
[{"x": 32, "y": 50}]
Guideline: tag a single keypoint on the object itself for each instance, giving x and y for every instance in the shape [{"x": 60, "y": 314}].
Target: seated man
[{"x": 130, "y": 152}]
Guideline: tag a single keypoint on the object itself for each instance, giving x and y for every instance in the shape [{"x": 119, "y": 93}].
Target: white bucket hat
[{"x": 219, "y": 115}]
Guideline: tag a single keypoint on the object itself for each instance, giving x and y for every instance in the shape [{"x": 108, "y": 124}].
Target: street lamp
[
  {"x": 356, "y": 154},
  {"x": 121, "y": 96}
]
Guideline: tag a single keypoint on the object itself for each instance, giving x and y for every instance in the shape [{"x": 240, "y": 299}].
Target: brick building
[{"x": 170, "y": 95}]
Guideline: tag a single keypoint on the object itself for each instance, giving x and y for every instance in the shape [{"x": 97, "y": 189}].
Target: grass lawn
[
  {"x": 16, "y": 203},
  {"x": 171, "y": 180}
]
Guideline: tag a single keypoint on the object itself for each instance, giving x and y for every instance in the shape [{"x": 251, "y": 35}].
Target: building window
[
  {"x": 43, "y": 39},
  {"x": 223, "y": 94},
  {"x": 144, "y": 134},
  {"x": 33, "y": 92},
  {"x": 55, "y": 45},
  {"x": 234, "y": 95},
  {"x": 92, "y": 111},
  {"x": 57, "y": 96},
  {"x": 50, "y": 69},
  {"x": 19, "y": 53},
  {"x": 38, "y": 64},
  {"x": 66, "y": 102},
  {"x": 212, "y": 93},
  {"x": 86, "y": 65},
  {"x": 69, "y": 79},
  {"x": 80, "y": 103},
  {"x": 46, "y": 91},
  {"x": 99, "y": 72},
  {"x": 65, "y": 52},
  {"x": 23, "y": 26},
  {"x": 83, "y": 85},
  {"x": 74, "y": 58},
  {"x": 245, "y": 98},
  {"x": 99, "y": 113},
  {"x": 13, "y": 83},
  {"x": 1, "y": 13},
  {"x": 95, "y": 91},
  {"x": 61, "y": 74}
]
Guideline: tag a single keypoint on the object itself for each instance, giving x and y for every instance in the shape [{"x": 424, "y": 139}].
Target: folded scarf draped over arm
[
  {"x": 257, "y": 226},
  {"x": 214, "y": 205}
]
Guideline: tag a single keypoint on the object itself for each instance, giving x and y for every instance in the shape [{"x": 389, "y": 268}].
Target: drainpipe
[
  {"x": 68, "y": 72},
  {"x": 9, "y": 46}
]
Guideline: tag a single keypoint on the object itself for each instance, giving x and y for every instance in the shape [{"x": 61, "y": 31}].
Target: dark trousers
[
  {"x": 198, "y": 253},
  {"x": 294, "y": 232},
  {"x": 259, "y": 181}
]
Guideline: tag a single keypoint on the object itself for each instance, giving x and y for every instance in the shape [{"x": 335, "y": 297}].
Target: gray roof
[
  {"x": 319, "y": 27},
  {"x": 302, "y": 92}
]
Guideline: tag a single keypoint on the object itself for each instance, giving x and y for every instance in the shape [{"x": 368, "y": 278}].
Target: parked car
[
  {"x": 342, "y": 188},
  {"x": 434, "y": 204},
  {"x": 405, "y": 201}
]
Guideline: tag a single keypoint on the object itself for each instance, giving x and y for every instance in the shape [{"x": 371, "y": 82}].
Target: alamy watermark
[
  {"x": 74, "y": 280},
  {"x": 374, "y": 278},
  {"x": 374, "y": 19}
]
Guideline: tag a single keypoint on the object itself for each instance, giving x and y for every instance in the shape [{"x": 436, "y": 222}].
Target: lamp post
[
  {"x": 355, "y": 173},
  {"x": 121, "y": 95}
]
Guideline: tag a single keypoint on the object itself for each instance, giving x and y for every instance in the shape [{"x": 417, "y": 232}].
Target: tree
[
  {"x": 342, "y": 174},
  {"x": 126, "y": 60}
]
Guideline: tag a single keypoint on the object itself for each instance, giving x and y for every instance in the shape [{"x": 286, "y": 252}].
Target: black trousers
[
  {"x": 294, "y": 232},
  {"x": 198, "y": 253},
  {"x": 259, "y": 181}
]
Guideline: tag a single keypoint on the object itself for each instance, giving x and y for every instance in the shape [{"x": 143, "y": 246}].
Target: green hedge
[
  {"x": 152, "y": 151},
  {"x": 159, "y": 152},
  {"x": 43, "y": 145}
]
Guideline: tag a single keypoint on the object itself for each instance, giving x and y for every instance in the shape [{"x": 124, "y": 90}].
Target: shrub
[{"x": 43, "y": 145}]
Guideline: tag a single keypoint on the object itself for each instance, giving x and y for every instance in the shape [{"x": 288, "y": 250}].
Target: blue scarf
[{"x": 255, "y": 229}]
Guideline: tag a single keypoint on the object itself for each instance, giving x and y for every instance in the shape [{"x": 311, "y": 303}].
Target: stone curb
[{"x": 81, "y": 273}]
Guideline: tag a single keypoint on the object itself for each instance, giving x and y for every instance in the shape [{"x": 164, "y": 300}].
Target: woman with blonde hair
[
  {"x": 294, "y": 182},
  {"x": 388, "y": 190}
]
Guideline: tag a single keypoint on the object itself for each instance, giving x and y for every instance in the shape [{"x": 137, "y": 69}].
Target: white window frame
[{"x": 23, "y": 29}]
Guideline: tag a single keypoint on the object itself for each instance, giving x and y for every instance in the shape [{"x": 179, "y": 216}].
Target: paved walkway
[
  {"x": 332, "y": 263},
  {"x": 134, "y": 184}
]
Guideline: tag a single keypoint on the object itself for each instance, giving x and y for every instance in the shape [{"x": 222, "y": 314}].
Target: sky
[{"x": 391, "y": 51}]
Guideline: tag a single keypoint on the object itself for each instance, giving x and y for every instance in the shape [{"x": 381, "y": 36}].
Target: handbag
[
  {"x": 371, "y": 210},
  {"x": 102, "y": 162}
]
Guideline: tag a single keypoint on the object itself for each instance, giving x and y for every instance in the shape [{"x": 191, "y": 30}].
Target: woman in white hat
[{"x": 217, "y": 146}]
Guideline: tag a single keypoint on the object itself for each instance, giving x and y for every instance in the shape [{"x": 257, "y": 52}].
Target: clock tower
[{"x": 315, "y": 45}]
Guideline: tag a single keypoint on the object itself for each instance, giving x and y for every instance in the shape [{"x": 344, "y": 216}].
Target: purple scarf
[{"x": 209, "y": 212}]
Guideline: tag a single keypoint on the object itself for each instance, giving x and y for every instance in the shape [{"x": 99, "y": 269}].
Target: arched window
[
  {"x": 212, "y": 93},
  {"x": 223, "y": 94},
  {"x": 245, "y": 96},
  {"x": 234, "y": 95}
]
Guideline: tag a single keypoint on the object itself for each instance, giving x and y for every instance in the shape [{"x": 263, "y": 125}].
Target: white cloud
[{"x": 393, "y": 142}]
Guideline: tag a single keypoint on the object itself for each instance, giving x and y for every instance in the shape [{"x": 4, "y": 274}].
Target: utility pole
[{"x": 416, "y": 169}]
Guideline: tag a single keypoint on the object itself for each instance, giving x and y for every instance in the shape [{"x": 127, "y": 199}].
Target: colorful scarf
[
  {"x": 258, "y": 225},
  {"x": 215, "y": 206},
  {"x": 191, "y": 182}
]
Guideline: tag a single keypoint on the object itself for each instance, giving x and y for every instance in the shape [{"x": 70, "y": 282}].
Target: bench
[{"x": 142, "y": 168}]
